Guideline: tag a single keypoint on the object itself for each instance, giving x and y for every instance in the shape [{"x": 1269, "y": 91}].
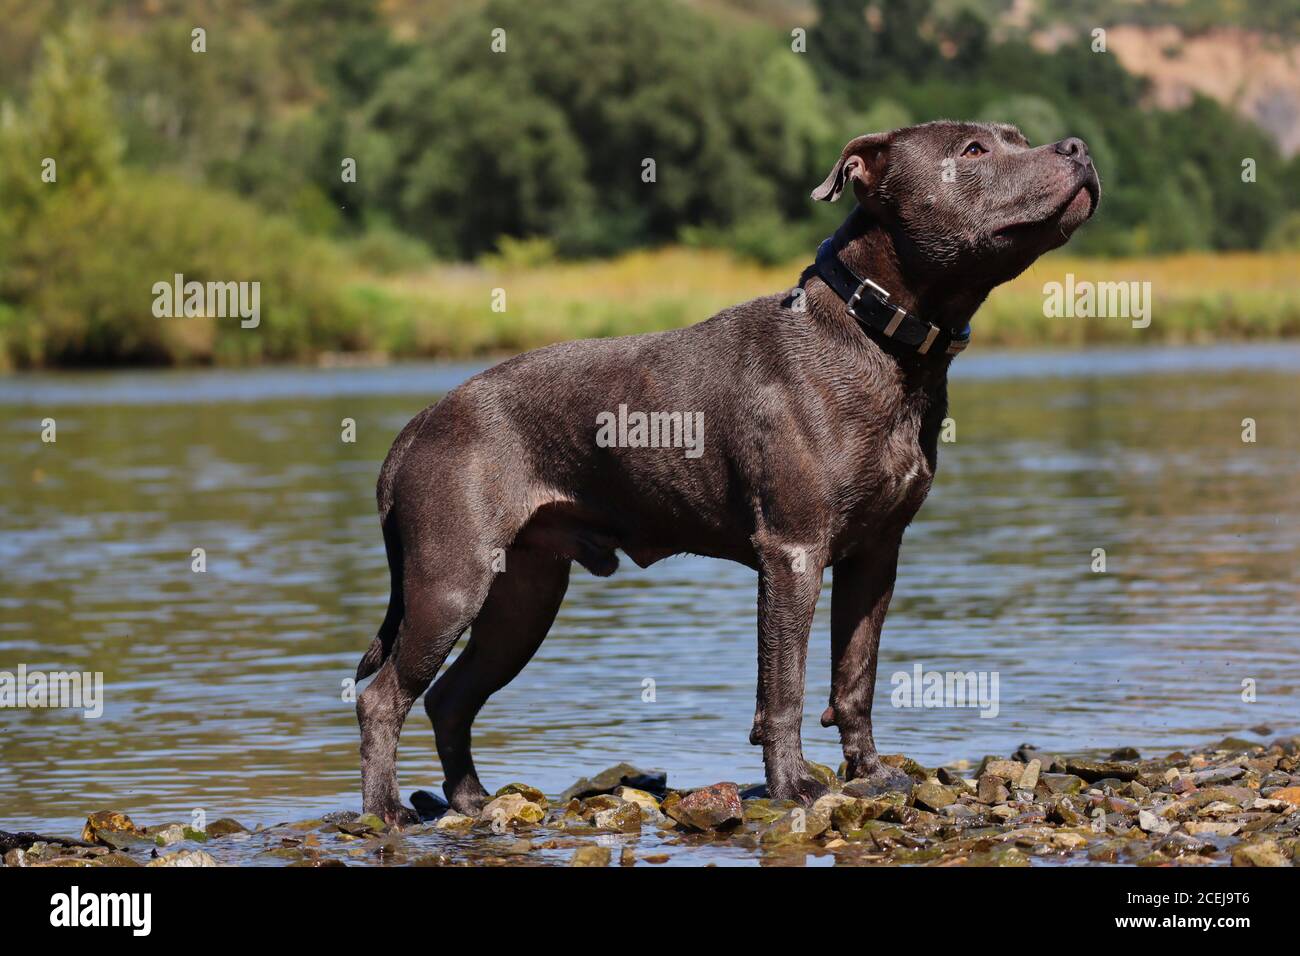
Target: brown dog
[{"x": 821, "y": 406}]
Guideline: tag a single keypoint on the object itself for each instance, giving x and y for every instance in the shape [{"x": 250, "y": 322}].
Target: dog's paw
[
  {"x": 400, "y": 817},
  {"x": 876, "y": 778},
  {"x": 469, "y": 798},
  {"x": 803, "y": 788}
]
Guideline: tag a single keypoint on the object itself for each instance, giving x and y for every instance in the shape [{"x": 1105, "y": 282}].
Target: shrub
[{"x": 85, "y": 277}]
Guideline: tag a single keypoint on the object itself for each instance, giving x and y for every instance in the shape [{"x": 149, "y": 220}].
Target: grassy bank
[{"x": 446, "y": 310}]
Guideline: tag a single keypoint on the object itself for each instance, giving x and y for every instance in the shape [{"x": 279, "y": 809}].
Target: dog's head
[{"x": 970, "y": 199}]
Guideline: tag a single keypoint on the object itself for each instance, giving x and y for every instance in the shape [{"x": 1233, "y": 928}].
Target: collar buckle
[{"x": 857, "y": 295}]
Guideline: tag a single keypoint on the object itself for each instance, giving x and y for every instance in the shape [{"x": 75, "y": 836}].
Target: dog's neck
[{"x": 872, "y": 251}]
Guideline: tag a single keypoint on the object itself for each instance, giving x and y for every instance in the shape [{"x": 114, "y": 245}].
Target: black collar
[{"x": 869, "y": 304}]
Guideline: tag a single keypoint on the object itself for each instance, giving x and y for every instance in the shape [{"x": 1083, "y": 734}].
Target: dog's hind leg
[
  {"x": 439, "y": 603},
  {"x": 515, "y": 619}
]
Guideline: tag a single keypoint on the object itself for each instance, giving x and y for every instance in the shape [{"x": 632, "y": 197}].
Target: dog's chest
[{"x": 892, "y": 478}]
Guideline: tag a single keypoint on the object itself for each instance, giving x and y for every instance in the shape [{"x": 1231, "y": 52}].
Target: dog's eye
[{"x": 974, "y": 149}]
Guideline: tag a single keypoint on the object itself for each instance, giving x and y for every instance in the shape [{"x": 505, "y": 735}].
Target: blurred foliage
[{"x": 228, "y": 164}]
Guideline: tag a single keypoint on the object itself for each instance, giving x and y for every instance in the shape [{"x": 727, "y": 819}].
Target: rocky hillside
[{"x": 1256, "y": 75}]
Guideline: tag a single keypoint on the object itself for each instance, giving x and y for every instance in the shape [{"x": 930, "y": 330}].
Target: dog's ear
[{"x": 863, "y": 160}]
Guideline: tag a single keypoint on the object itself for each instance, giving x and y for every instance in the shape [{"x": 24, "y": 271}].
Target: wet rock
[
  {"x": 347, "y": 816},
  {"x": 184, "y": 858},
  {"x": 1183, "y": 844},
  {"x": 1062, "y": 810},
  {"x": 625, "y": 818},
  {"x": 1068, "y": 840},
  {"x": 716, "y": 807},
  {"x": 869, "y": 787},
  {"x": 1107, "y": 852},
  {"x": 641, "y": 798},
  {"x": 1004, "y": 812},
  {"x": 764, "y": 811},
  {"x": 454, "y": 821},
  {"x": 962, "y": 813},
  {"x": 1008, "y": 856},
  {"x": 991, "y": 789},
  {"x": 428, "y": 806},
  {"x": 933, "y": 796},
  {"x": 109, "y": 827},
  {"x": 1290, "y": 794},
  {"x": 1009, "y": 771},
  {"x": 590, "y": 855},
  {"x": 589, "y": 807},
  {"x": 512, "y": 810},
  {"x": 1114, "y": 804},
  {"x": 1211, "y": 828},
  {"x": 622, "y": 775},
  {"x": 1029, "y": 779},
  {"x": 907, "y": 765},
  {"x": 531, "y": 794},
  {"x": 366, "y": 824},
  {"x": 1237, "y": 744},
  {"x": 16, "y": 857},
  {"x": 1062, "y": 782},
  {"x": 1148, "y": 822},
  {"x": 855, "y": 814},
  {"x": 1203, "y": 778},
  {"x": 168, "y": 834},
  {"x": 60, "y": 861},
  {"x": 951, "y": 777},
  {"x": 825, "y": 774},
  {"x": 1095, "y": 770},
  {"x": 1125, "y": 753},
  {"x": 1263, "y": 853},
  {"x": 1272, "y": 806},
  {"x": 1235, "y": 796},
  {"x": 827, "y": 802},
  {"x": 225, "y": 826},
  {"x": 796, "y": 826}
]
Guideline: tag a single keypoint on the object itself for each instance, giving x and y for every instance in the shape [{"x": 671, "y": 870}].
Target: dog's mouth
[
  {"x": 1074, "y": 211},
  {"x": 1092, "y": 189}
]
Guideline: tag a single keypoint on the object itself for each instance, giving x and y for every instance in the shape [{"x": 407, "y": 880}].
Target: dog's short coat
[{"x": 820, "y": 447}]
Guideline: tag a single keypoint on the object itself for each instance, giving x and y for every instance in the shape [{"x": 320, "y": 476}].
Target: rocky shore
[{"x": 1236, "y": 802}]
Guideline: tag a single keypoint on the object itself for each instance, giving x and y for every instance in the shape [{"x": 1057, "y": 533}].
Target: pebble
[{"x": 1214, "y": 806}]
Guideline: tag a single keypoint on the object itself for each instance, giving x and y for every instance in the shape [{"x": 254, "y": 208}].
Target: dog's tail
[{"x": 382, "y": 645}]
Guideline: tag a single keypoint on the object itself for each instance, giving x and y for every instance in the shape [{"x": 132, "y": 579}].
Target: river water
[{"x": 225, "y": 689}]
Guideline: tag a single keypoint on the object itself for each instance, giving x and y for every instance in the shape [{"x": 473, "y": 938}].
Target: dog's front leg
[
  {"x": 790, "y": 578},
  {"x": 860, "y": 592}
]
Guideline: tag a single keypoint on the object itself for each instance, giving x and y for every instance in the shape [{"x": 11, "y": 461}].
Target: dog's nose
[{"x": 1076, "y": 149}]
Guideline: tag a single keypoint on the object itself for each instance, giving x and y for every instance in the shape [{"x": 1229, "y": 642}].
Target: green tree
[{"x": 556, "y": 134}]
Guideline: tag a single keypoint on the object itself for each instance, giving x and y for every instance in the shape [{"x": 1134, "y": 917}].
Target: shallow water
[{"x": 224, "y": 690}]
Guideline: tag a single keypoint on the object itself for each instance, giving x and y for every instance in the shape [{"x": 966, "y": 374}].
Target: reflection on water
[{"x": 224, "y": 689}]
